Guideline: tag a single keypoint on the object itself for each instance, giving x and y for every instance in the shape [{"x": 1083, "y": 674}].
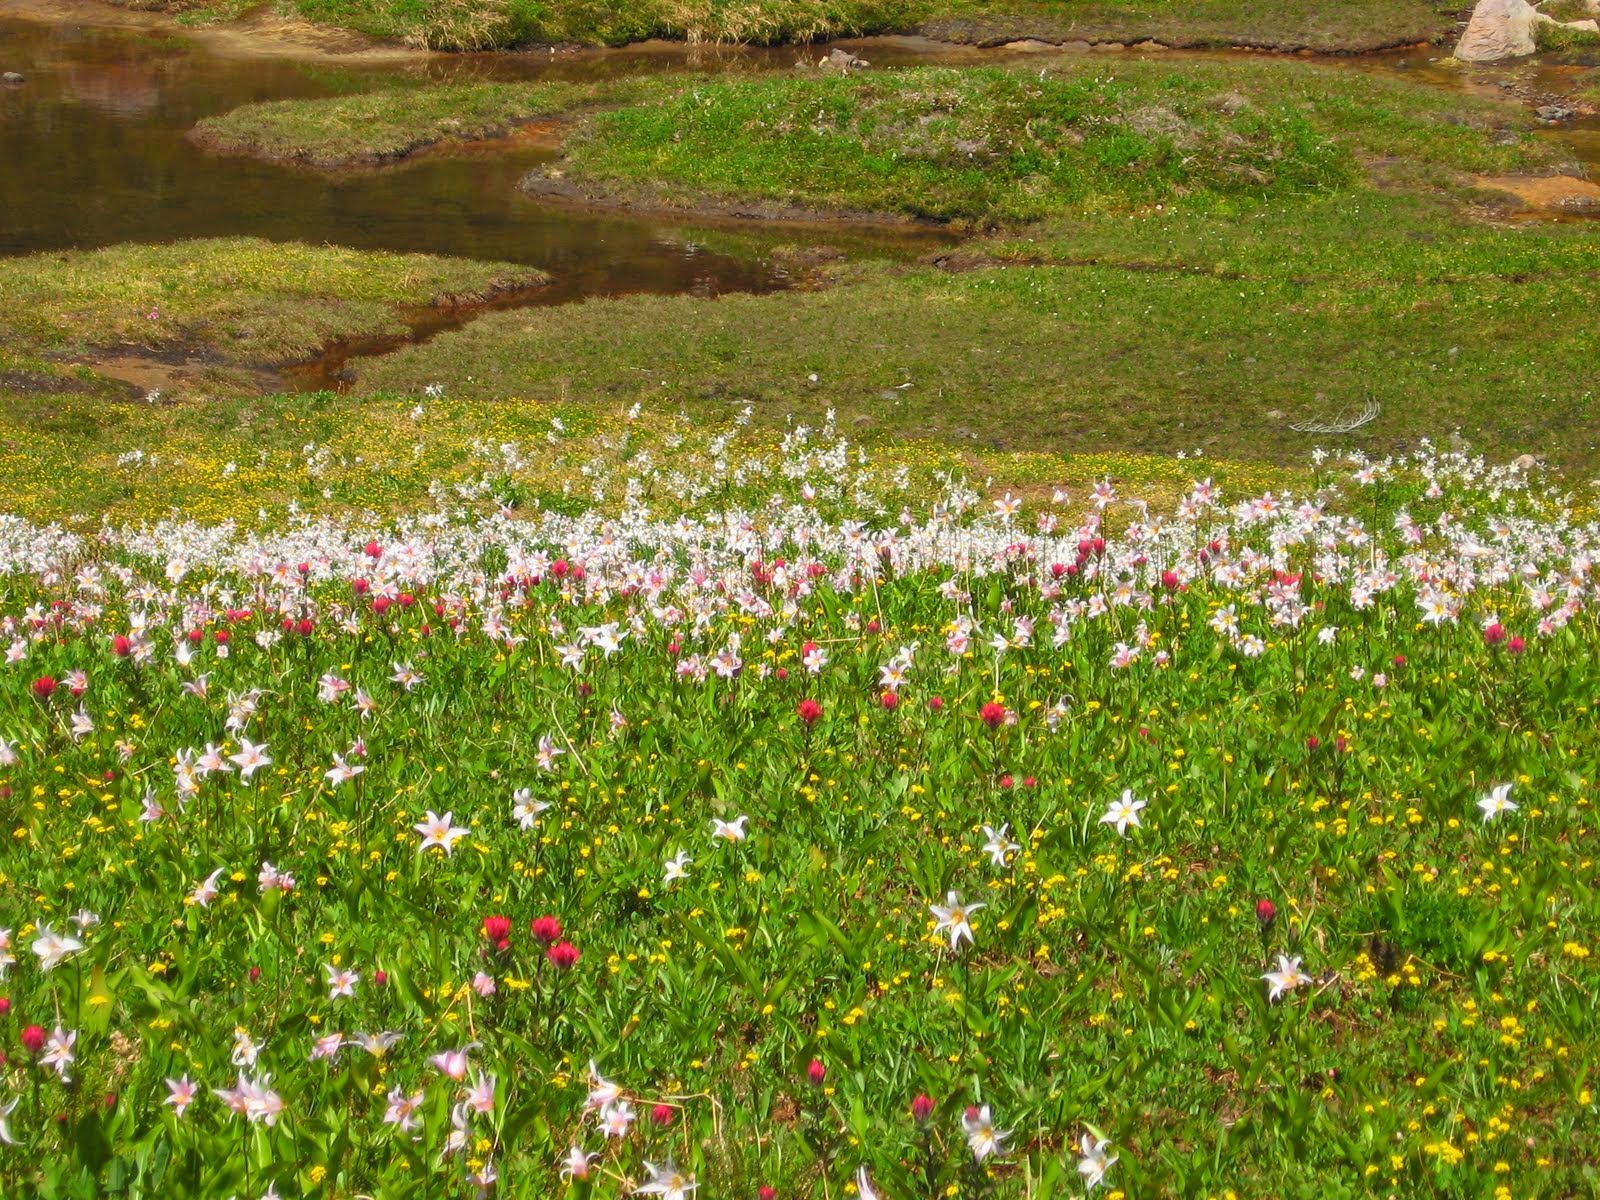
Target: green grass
[
  {"x": 192, "y": 12},
  {"x": 380, "y": 126},
  {"x": 1287, "y": 24},
  {"x": 239, "y": 300},
  {"x": 1112, "y": 355},
  {"x": 994, "y": 145},
  {"x": 1554, "y": 39}
]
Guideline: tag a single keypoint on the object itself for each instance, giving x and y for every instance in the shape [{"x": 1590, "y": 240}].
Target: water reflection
[{"x": 95, "y": 153}]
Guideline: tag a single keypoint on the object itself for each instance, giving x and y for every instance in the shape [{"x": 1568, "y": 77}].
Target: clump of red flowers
[
  {"x": 993, "y": 714},
  {"x": 547, "y": 930},
  {"x": 498, "y": 930},
  {"x": 809, "y": 711},
  {"x": 563, "y": 956}
]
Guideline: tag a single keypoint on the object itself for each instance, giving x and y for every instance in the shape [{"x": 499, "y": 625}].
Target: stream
[{"x": 94, "y": 153}]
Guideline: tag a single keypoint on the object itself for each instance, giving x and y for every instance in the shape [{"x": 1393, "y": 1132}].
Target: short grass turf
[
  {"x": 1137, "y": 347},
  {"x": 241, "y": 300}
]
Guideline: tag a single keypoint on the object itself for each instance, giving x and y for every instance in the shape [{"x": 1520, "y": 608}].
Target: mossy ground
[{"x": 238, "y": 300}]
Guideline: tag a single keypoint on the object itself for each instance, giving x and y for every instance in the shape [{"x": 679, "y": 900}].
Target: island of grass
[
  {"x": 241, "y": 301},
  {"x": 996, "y": 145},
  {"x": 386, "y": 125},
  {"x": 1346, "y": 26}
]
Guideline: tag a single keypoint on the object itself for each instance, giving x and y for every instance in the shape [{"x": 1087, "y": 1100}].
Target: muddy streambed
[{"x": 95, "y": 152}]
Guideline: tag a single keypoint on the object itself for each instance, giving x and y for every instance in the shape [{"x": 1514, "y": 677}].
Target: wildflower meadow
[{"x": 774, "y": 827}]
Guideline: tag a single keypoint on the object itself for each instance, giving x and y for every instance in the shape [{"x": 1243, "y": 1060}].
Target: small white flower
[
  {"x": 1496, "y": 802},
  {"x": 1124, "y": 812},
  {"x": 1286, "y": 978},
  {"x": 677, "y": 868},
  {"x": 955, "y": 918},
  {"x": 439, "y": 831},
  {"x": 52, "y": 947},
  {"x": 1094, "y": 1162}
]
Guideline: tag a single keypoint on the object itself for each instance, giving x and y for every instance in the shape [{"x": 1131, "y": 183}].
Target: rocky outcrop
[
  {"x": 1499, "y": 29},
  {"x": 1502, "y": 29}
]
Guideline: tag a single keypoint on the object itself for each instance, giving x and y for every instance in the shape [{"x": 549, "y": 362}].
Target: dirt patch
[
  {"x": 559, "y": 189},
  {"x": 1547, "y": 193},
  {"x": 146, "y": 373},
  {"x": 261, "y": 34}
]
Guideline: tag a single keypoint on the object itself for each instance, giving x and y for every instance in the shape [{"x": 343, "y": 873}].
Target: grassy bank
[
  {"x": 382, "y": 126},
  {"x": 1143, "y": 347},
  {"x": 1351, "y": 25},
  {"x": 237, "y": 300}
]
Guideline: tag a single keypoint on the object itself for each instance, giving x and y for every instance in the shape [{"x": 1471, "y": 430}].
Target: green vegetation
[
  {"x": 1349, "y": 25},
  {"x": 485, "y": 24},
  {"x": 978, "y": 145},
  {"x": 1556, "y": 38},
  {"x": 992, "y": 144},
  {"x": 192, "y": 12},
  {"x": 1275, "y": 316},
  {"x": 379, "y": 126},
  {"x": 239, "y": 300}
]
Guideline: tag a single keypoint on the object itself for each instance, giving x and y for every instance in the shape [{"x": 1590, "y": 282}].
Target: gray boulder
[
  {"x": 843, "y": 62},
  {"x": 12, "y": 77}
]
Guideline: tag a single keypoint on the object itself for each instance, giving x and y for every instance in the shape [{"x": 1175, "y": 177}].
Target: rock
[
  {"x": 1108, "y": 47},
  {"x": 1029, "y": 46},
  {"x": 1589, "y": 25},
  {"x": 1553, "y": 114},
  {"x": 1525, "y": 462},
  {"x": 1076, "y": 47},
  {"x": 1498, "y": 29},
  {"x": 12, "y": 77},
  {"x": 843, "y": 62}
]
